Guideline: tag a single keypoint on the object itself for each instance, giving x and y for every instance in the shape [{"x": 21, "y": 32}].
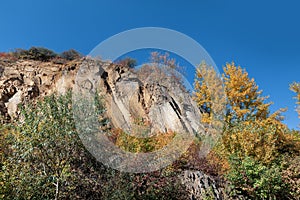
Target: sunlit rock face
[
  {"x": 163, "y": 105},
  {"x": 133, "y": 100},
  {"x": 25, "y": 80}
]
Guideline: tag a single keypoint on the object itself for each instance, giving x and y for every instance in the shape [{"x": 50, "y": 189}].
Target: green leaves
[
  {"x": 44, "y": 159},
  {"x": 255, "y": 180},
  {"x": 35, "y": 53},
  {"x": 43, "y": 144}
]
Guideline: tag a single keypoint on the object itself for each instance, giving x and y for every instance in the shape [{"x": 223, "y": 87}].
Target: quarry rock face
[
  {"x": 23, "y": 81},
  {"x": 132, "y": 102},
  {"x": 135, "y": 101}
]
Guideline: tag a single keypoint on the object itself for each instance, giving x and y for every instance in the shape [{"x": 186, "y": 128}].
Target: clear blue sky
[{"x": 262, "y": 36}]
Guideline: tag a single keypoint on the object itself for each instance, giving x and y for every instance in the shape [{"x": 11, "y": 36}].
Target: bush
[
  {"x": 44, "y": 54},
  {"x": 291, "y": 176},
  {"x": 137, "y": 145},
  {"x": 35, "y": 53},
  {"x": 42, "y": 149},
  {"x": 43, "y": 158},
  {"x": 251, "y": 155},
  {"x": 255, "y": 180},
  {"x": 127, "y": 62},
  {"x": 7, "y": 57},
  {"x": 71, "y": 55}
]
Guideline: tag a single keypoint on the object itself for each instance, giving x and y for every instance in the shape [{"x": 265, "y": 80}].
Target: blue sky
[{"x": 261, "y": 36}]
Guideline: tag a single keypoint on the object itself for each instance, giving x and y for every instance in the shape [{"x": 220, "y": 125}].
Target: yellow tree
[
  {"x": 209, "y": 93},
  {"x": 246, "y": 112},
  {"x": 244, "y": 99},
  {"x": 255, "y": 131},
  {"x": 202, "y": 94},
  {"x": 253, "y": 140},
  {"x": 295, "y": 87}
]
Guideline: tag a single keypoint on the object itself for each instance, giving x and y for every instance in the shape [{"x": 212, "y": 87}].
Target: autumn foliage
[
  {"x": 254, "y": 141},
  {"x": 134, "y": 144},
  {"x": 295, "y": 87},
  {"x": 257, "y": 156}
]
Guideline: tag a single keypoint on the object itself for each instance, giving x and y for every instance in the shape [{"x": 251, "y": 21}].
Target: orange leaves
[
  {"x": 253, "y": 136},
  {"x": 244, "y": 100},
  {"x": 243, "y": 94},
  {"x": 263, "y": 140},
  {"x": 295, "y": 87},
  {"x": 7, "y": 56},
  {"x": 254, "y": 130},
  {"x": 209, "y": 92},
  {"x": 249, "y": 140},
  {"x": 134, "y": 144}
]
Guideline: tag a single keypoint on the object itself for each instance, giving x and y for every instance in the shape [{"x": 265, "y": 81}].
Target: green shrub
[
  {"x": 42, "y": 146},
  {"x": 35, "y": 53},
  {"x": 255, "y": 180},
  {"x": 70, "y": 55},
  {"x": 43, "y": 158}
]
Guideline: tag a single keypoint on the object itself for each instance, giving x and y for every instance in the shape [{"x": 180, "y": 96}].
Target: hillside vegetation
[{"x": 42, "y": 157}]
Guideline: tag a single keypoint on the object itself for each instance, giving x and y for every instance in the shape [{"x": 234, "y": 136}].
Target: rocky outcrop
[
  {"x": 133, "y": 103},
  {"x": 22, "y": 81},
  {"x": 201, "y": 186}
]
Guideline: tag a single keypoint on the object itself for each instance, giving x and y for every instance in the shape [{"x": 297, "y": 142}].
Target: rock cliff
[
  {"x": 130, "y": 99},
  {"x": 23, "y": 81}
]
